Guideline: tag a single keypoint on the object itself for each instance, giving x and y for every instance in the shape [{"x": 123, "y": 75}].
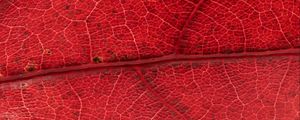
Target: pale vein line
[
  {"x": 80, "y": 101},
  {"x": 280, "y": 85}
]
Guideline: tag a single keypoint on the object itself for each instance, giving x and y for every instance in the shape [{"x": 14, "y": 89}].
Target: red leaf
[{"x": 149, "y": 59}]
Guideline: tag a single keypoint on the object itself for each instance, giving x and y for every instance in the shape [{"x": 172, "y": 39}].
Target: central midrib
[{"x": 147, "y": 62}]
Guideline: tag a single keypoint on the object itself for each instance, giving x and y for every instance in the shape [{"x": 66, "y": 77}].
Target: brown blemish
[
  {"x": 26, "y": 34},
  {"x": 30, "y": 68},
  {"x": 97, "y": 59},
  {"x": 23, "y": 85},
  {"x": 48, "y": 52}
]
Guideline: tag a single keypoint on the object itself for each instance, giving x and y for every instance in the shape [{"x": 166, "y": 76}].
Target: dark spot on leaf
[
  {"x": 30, "y": 68},
  {"x": 48, "y": 52},
  {"x": 97, "y": 60},
  {"x": 26, "y": 34},
  {"x": 23, "y": 85}
]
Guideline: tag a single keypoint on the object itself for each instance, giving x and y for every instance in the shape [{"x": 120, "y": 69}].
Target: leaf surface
[{"x": 149, "y": 59}]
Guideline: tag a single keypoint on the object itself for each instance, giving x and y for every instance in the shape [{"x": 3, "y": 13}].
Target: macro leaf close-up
[{"x": 149, "y": 60}]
